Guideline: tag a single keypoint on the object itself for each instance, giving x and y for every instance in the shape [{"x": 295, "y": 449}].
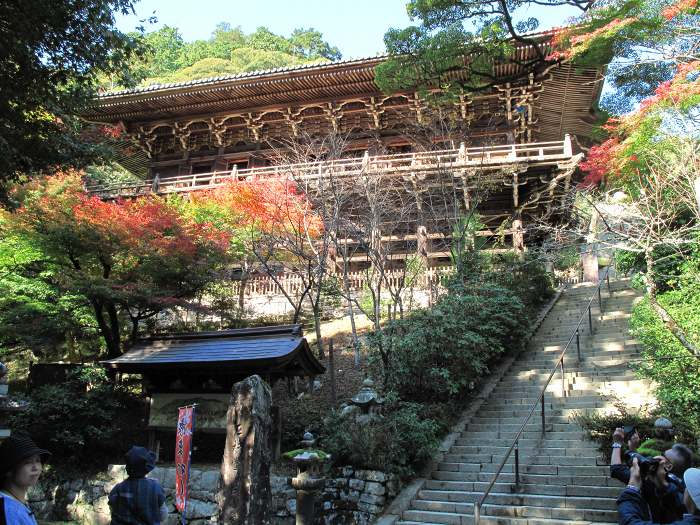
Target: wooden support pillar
[
  {"x": 422, "y": 247},
  {"x": 518, "y": 235}
]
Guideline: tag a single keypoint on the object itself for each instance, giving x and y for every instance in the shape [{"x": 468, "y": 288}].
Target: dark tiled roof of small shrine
[{"x": 267, "y": 349}]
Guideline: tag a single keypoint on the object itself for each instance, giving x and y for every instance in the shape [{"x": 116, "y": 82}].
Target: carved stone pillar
[{"x": 245, "y": 496}]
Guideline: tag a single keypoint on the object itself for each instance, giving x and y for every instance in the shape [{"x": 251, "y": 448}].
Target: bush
[
  {"x": 527, "y": 279},
  {"x": 665, "y": 361},
  {"x": 600, "y": 428},
  {"x": 441, "y": 352},
  {"x": 86, "y": 419},
  {"x": 398, "y": 443}
]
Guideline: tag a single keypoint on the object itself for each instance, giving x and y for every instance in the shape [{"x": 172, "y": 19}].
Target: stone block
[
  {"x": 369, "y": 507},
  {"x": 356, "y": 484},
  {"x": 371, "y": 475},
  {"x": 208, "y": 481},
  {"x": 197, "y": 509},
  {"x": 340, "y": 483},
  {"x": 348, "y": 471},
  {"x": 372, "y": 487},
  {"x": 168, "y": 478},
  {"x": 372, "y": 499}
]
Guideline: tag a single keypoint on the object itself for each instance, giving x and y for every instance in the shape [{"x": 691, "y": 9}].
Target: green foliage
[
  {"x": 665, "y": 360},
  {"x": 525, "y": 276},
  {"x": 52, "y": 55},
  {"x": 600, "y": 428},
  {"x": 35, "y": 313},
  {"x": 109, "y": 173},
  {"x": 86, "y": 420},
  {"x": 228, "y": 51},
  {"x": 438, "y": 353},
  {"x": 399, "y": 442}
]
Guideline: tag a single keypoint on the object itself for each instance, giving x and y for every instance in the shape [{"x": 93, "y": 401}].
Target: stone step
[
  {"x": 561, "y": 482},
  {"x": 462, "y": 513},
  {"x": 554, "y": 490},
  {"x": 552, "y": 470},
  {"x": 526, "y": 457},
  {"x": 495, "y": 520},
  {"x": 533, "y": 425},
  {"x": 552, "y": 452},
  {"x": 524, "y": 499},
  {"x": 528, "y": 434},
  {"x": 528, "y": 478}
]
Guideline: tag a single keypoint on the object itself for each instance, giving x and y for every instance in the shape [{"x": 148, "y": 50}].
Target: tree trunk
[
  {"x": 317, "y": 327},
  {"x": 134, "y": 330},
  {"x": 241, "y": 290},
  {"x": 245, "y": 495},
  {"x": 113, "y": 347}
]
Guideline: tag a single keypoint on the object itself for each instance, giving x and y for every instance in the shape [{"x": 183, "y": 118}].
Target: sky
[{"x": 356, "y": 27}]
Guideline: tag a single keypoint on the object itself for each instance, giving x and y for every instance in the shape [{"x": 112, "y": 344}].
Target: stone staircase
[{"x": 561, "y": 481}]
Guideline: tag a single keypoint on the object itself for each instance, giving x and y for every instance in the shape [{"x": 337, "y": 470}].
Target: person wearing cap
[
  {"x": 633, "y": 510},
  {"x": 21, "y": 463},
  {"x": 138, "y": 500},
  {"x": 663, "y": 490}
]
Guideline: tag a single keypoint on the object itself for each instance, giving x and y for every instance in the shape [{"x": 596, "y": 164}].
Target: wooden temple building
[{"x": 519, "y": 137}]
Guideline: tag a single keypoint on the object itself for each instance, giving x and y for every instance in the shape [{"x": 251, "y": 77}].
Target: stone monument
[{"x": 244, "y": 497}]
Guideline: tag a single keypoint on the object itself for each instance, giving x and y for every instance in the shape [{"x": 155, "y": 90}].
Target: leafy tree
[
  {"x": 309, "y": 43},
  {"x": 250, "y": 59},
  {"x": 425, "y": 55},
  {"x": 87, "y": 418},
  {"x": 123, "y": 260},
  {"x": 228, "y": 51},
  {"x": 265, "y": 40},
  {"x": 225, "y": 39},
  {"x": 207, "y": 67},
  {"x": 53, "y": 55}
]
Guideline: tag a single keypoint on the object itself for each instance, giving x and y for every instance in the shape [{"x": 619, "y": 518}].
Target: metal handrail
[{"x": 540, "y": 400}]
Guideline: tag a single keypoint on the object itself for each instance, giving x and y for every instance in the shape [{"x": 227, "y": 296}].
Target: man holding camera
[
  {"x": 632, "y": 508},
  {"x": 660, "y": 486}
]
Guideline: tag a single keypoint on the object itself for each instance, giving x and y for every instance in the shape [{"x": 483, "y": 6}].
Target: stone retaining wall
[{"x": 350, "y": 497}]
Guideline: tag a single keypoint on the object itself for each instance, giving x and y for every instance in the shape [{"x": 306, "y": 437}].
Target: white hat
[{"x": 692, "y": 483}]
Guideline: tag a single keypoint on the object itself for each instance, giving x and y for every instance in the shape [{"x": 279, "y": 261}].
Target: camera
[{"x": 646, "y": 465}]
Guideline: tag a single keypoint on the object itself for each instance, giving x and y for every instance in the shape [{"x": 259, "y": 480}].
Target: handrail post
[
  {"x": 477, "y": 512},
  {"x": 543, "y": 417},
  {"x": 590, "y": 320},
  {"x": 600, "y": 302},
  {"x": 578, "y": 345},
  {"x": 607, "y": 278},
  {"x": 517, "y": 465}
]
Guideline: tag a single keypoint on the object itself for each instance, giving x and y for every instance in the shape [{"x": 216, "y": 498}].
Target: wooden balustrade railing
[
  {"x": 415, "y": 162},
  {"x": 293, "y": 284}
]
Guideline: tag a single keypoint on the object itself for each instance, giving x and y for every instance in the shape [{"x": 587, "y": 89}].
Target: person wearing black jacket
[
  {"x": 632, "y": 509},
  {"x": 663, "y": 489}
]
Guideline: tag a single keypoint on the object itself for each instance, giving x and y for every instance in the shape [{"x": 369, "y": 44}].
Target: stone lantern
[
  {"x": 309, "y": 480},
  {"x": 368, "y": 402}
]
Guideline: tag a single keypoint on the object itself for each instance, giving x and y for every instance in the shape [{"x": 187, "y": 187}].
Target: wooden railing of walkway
[
  {"x": 293, "y": 284},
  {"x": 463, "y": 158}
]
